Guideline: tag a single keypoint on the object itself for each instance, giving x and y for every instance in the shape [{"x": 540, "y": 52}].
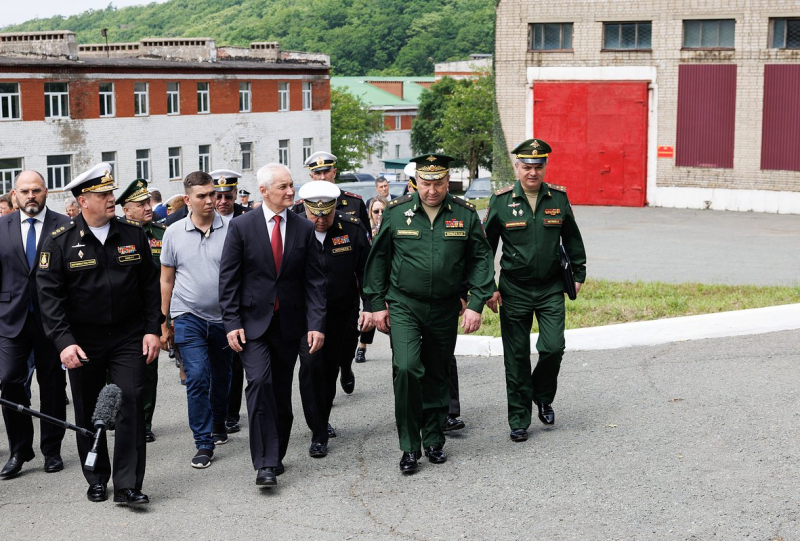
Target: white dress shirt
[
  {"x": 269, "y": 217},
  {"x": 25, "y": 225}
]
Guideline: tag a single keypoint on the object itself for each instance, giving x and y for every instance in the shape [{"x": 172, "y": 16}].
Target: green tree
[
  {"x": 355, "y": 130},
  {"x": 430, "y": 115},
  {"x": 467, "y": 124}
]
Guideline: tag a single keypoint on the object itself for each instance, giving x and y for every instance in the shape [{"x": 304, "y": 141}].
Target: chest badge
[
  {"x": 80, "y": 254},
  {"x": 552, "y": 212},
  {"x": 454, "y": 224},
  {"x": 338, "y": 241},
  {"x": 81, "y": 233},
  {"x": 344, "y": 202},
  {"x": 513, "y": 205},
  {"x": 79, "y": 245},
  {"x": 408, "y": 221},
  {"x": 129, "y": 249},
  {"x": 408, "y": 213}
]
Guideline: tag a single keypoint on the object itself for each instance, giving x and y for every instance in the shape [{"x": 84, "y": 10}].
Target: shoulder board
[
  {"x": 350, "y": 194},
  {"x": 60, "y": 230},
  {"x": 507, "y": 189},
  {"x": 351, "y": 218},
  {"x": 158, "y": 225},
  {"x": 298, "y": 202},
  {"x": 405, "y": 199},
  {"x": 463, "y": 203},
  {"x": 126, "y": 221},
  {"x": 558, "y": 188}
]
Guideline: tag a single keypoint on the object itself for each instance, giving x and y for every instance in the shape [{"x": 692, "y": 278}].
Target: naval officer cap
[
  {"x": 320, "y": 161},
  {"x": 532, "y": 151},
  {"x": 225, "y": 180},
  {"x": 319, "y": 197},
  {"x": 432, "y": 166},
  {"x": 97, "y": 179},
  {"x": 243, "y": 192},
  {"x": 411, "y": 172},
  {"x": 135, "y": 192}
]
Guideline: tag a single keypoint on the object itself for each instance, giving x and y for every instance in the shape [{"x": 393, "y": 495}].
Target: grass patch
[
  {"x": 603, "y": 302},
  {"x": 481, "y": 204}
]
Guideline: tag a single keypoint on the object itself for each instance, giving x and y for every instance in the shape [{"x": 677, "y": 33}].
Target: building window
[
  {"x": 9, "y": 101},
  {"x": 202, "y": 98},
  {"x": 106, "y": 99},
  {"x": 244, "y": 97},
  {"x": 205, "y": 158},
  {"x": 173, "y": 98},
  {"x": 785, "y": 33},
  {"x": 710, "y": 34},
  {"x": 247, "y": 156},
  {"x": 397, "y": 151},
  {"x": 174, "y": 162},
  {"x": 550, "y": 36},
  {"x": 9, "y": 169},
  {"x": 283, "y": 152},
  {"x": 283, "y": 96},
  {"x": 398, "y": 122},
  {"x": 306, "y": 96},
  {"x": 111, "y": 159},
  {"x": 140, "y": 100},
  {"x": 308, "y": 145},
  {"x": 58, "y": 171},
  {"x": 56, "y": 100},
  {"x": 143, "y": 164},
  {"x": 624, "y": 36}
]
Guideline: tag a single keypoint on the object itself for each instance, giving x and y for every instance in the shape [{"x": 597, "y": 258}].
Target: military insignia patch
[
  {"x": 552, "y": 212},
  {"x": 44, "y": 261},
  {"x": 83, "y": 264},
  {"x": 552, "y": 221},
  {"x": 455, "y": 233},
  {"x": 129, "y": 258},
  {"x": 514, "y": 205},
  {"x": 129, "y": 249},
  {"x": 407, "y": 233},
  {"x": 454, "y": 224},
  {"x": 155, "y": 243},
  {"x": 344, "y": 239},
  {"x": 519, "y": 223},
  {"x": 342, "y": 249},
  {"x": 344, "y": 202}
]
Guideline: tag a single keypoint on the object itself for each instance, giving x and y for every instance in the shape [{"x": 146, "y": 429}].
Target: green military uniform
[
  {"x": 416, "y": 267},
  {"x": 135, "y": 192},
  {"x": 530, "y": 283}
]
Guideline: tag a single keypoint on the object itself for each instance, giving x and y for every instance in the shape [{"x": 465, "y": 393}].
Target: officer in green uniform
[
  {"x": 532, "y": 218},
  {"x": 136, "y": 205},
  {"x": 428, "y": 243}
]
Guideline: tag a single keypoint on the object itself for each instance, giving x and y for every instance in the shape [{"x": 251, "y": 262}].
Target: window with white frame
[
  {"x": 204, "y": 152},
  {"x": 308, "y": 145},
  {"x": 247, "y": 156},
  {"x": 143, "y": 164},
  {"x": 397, "y": 151},
  {"x": 398, "y": 122},
  {"x": 56, "y": 100},
  {"x": 202, "y": 98},
  {"x": 283, "y": 96},
  {"x": 173, "y": 98},
  {"x": 58, "y": 171},
  {"x": 111, "y": 159},
  {"x": 244, "y": 97},
  {"x": 174, "y": 162},
  {"x": 784, "y": 33},
  {"x": 106, "y": 99},
  {"x": 9, "y": 101},
  {"x": 283, "y": 152},
  {"x": 141, "y": 100},
  {"x": 9, "y": 169},
  {"x": 306, "y": 96}
]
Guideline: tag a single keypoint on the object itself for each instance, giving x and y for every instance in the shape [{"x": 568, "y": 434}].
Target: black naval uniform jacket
[
  {"x": 86, "y": 286},
  {"x": 345, "y": 252},
  {"x": 346, "y": 203}
]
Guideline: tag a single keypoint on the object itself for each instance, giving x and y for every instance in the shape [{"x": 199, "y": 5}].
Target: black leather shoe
[
  {"x": 232, "y": 427},
  {"x": 408, "y": 462},
  {"x": 266, "y": 477},
  {"x": 149, "y": 437},
  {"x": 436, "y": 454},
  {"x": 52, "y": 464},
  {"x": 280, "y": 469},
  {"x": 453, "y": 423},
  {"x": 519, "y": 434},
  {"x": 331, "y": 431},
  {"x": 97, "y": 493},
  {"x": 361, "y": 355},
  {"x": 14, "y": 464},
  {"x": 348, "y": 380},
  {"x": 546, "y": 414},
  {"x": 318, "y": 450},
  {"x": 130, "y": 496}
]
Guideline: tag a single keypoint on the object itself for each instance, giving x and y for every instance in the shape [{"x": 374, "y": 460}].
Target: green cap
[
  {"x": 136, "y": 191},
  {"x": 432, "y": 166},
  {"x": 532, "y": 151}
]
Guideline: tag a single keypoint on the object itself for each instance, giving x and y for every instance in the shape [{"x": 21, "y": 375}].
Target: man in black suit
[
  {"x": 271, "y": 291},
  {"x": 21, "y": 332}
]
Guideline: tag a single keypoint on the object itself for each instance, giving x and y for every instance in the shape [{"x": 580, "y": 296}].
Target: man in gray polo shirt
[{"x": 190, "y": 257}]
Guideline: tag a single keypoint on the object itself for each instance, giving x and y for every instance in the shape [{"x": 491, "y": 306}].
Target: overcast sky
[{"x": 18, "y": 11}]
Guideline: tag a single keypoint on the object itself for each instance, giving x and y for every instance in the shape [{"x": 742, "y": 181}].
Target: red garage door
[{"x": 598, "y": 132}]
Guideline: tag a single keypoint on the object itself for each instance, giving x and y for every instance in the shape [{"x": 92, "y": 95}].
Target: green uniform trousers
[
  {"x": 524, "y": 387},
  {"x": 149, "y": 395},
  {"x": 423, "y": 342}
]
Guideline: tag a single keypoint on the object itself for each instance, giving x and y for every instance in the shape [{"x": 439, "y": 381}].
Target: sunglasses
[
  {"x": 377, "y": 211},
  {"x": 223, "y": 196}
]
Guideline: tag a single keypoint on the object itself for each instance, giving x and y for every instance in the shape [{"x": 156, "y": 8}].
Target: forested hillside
[{"x": 363, "y": 37}]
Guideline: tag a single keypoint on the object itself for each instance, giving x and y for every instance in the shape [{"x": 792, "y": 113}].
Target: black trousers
[
  {"x": 14, "y": 353},
  {"x": 318, "y": 372},
  {"x": 119, "y": 353},
  {"x": 237, "y": 386},
  {"x": 455, "y": 405},
  {"x": 268, "y": 363}
]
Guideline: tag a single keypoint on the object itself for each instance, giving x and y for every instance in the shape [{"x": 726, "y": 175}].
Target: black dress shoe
[
  {"x": 266, "y": 477},
  {"x": 97, "y": 493},
  {"x": 14, "y": 464},
  {"x": 318, "y": 450},
  {"x": 232, "y": 427},
  {"x": 361, "y": 355},
  {"x": 348, "y": 380},
  {"x": 546, "y": 413},
  {"x": 149, "y": 437},
  {"x": 53, "y": 464},
  {"x": 519, "y": 434},
  {"x": 130, "y": 496},
  {"x": 453, "y": 423},
  {"x": 436, "y": 454},
  {"x": 331, "y": 431},
  {"x": 408, "y": 462}
]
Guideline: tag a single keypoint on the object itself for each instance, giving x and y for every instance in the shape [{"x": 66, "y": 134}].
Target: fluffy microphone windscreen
[{"x": 108, "y": 404}]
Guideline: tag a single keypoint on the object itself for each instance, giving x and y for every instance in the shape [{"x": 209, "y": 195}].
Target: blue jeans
[{"x": 203, "y": 346}]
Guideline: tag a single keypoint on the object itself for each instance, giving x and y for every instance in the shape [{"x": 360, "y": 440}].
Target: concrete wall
[{"x": 59, "y": 43}]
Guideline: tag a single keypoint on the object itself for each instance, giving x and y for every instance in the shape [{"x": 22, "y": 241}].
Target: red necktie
[{"x": 277, "y": 249}]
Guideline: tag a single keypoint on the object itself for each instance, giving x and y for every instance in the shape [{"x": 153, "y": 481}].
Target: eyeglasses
[
  {"x": 227, "y": 197},
  {"x": 377, "y": 211}
]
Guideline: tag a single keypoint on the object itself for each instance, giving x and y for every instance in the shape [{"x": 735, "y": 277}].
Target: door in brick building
[{"x": 598, "y": 132}]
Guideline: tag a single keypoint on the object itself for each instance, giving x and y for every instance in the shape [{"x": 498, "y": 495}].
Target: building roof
[
  {"x": 93, "y": 64},
  {"x": 374, "y": 96}
]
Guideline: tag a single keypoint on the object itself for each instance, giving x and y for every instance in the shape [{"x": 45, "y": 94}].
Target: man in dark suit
[
  {"x": 21, "y": 332},
  {"x": 272, "y": 292}
]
